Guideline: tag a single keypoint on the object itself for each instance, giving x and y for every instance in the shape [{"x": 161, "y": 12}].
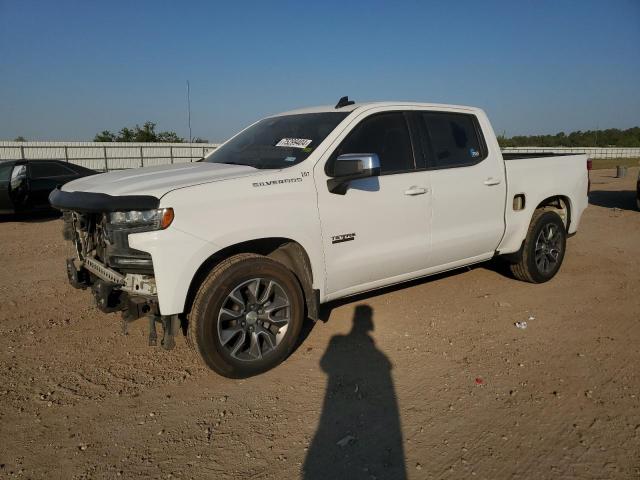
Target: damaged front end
[{"x": 120, "y": 277}]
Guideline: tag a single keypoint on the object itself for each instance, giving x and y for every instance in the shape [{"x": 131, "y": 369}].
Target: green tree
[
  {"x": 104, "y": 136},
  {"x": 169, "y": 137},
  {"x": 146, "y": 134},
  {"x": 20, "y": 139}
]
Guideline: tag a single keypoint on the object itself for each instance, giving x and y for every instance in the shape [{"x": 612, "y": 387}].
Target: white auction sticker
[{"x": 294, "y": 143}]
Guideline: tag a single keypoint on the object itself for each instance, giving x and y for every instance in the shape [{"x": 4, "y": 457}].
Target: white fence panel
[{"x": 107, "y": 155}]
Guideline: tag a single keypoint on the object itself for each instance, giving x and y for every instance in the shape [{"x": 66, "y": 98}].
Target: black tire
[
  {"x": 528, "y": 269},
  {"x": 204, "y": 329}
]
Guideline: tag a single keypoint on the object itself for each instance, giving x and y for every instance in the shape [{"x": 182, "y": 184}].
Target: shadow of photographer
[{"x": 359, "y": 435}]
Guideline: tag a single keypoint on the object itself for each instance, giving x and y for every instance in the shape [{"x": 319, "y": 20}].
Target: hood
[{"x": 157, "y": 181}]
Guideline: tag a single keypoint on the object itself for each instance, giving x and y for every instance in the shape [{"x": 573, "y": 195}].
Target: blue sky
[{"x": 70, "y": 69}]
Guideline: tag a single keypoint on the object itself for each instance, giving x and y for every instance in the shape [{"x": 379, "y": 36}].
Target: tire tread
[{"x": 213, "y": 276}]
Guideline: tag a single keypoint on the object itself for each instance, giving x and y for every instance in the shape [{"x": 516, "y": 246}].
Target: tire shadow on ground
[{"x": 622, "y": 199}]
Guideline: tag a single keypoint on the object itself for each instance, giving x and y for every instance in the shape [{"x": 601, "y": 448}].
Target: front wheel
[
  {"x": 246, "y": 316},
  {"x": 543, "y": 249}
]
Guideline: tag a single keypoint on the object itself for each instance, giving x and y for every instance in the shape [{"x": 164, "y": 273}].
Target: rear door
[
  {"x": 44, "y": 176},
  {"x": 467, "y": 188}
]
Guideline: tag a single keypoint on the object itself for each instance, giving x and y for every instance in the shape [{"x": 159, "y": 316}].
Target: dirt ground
[{"x": 427, "y": 380}]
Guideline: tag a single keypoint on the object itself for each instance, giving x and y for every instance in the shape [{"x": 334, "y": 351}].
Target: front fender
[
  {"x": 213, "y": 217},
  {"x": 176, "y": 257}
]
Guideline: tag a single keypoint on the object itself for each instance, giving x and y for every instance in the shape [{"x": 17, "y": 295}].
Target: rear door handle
[
  {"x": 414, "y": 190},
  {"x": 492, "y": 181}
]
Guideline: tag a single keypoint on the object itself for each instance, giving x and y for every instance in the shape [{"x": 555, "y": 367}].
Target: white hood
[{"x": 157, "y": 181}]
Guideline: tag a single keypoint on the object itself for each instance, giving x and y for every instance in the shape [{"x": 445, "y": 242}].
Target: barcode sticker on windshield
[{"x": 294, "y": 143}]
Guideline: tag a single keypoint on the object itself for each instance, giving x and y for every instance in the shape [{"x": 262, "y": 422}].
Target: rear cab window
[{"x": 450, "y": 139}]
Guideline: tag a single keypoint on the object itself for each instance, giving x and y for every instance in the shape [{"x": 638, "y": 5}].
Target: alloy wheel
[
  {"x": 254, "y": 319},
  {"x": 548, "y": 248}
]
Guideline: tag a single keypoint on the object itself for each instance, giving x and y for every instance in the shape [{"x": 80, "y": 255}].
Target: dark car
[
  {"x": 638, "y": 192},
  {"x": 25, "y": 184}
]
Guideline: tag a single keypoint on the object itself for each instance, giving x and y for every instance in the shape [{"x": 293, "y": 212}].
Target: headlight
[{"x": 158, "y": 219}]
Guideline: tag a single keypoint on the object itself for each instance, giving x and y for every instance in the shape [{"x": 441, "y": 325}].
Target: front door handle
[
  {"x": 414, "y": 190},
  {"x": 492, "y": 181}
]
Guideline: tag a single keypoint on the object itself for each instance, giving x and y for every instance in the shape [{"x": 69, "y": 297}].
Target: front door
[{"x": 379, "y": 229}]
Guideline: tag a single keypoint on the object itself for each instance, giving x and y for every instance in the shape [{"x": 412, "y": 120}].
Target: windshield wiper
[
  {"x": 239, "y": 163},
  {"x": 233, "y": 163}
]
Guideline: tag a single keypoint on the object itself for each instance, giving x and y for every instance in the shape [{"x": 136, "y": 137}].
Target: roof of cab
[{"x": 368, "y": 105}]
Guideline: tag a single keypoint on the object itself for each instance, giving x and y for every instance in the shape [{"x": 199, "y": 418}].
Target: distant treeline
[
  {"x": 611, "y": 137},
  {"x": 146, "y": 133}
]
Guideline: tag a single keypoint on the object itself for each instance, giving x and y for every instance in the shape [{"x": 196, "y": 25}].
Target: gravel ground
[{"x": 427, "y": 380}]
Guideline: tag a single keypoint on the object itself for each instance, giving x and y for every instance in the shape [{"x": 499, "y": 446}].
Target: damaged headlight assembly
[
  {"x": 157, "y": 219},
  {"x": 134, "y": 221}
]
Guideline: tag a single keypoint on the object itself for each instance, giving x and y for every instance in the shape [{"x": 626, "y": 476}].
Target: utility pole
[
  {"x": 189, "y": 109},
  {"x": 189, "y": 119}
]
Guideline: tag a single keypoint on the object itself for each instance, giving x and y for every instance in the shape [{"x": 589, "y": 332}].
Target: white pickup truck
[{"x": 309, "y": 206}]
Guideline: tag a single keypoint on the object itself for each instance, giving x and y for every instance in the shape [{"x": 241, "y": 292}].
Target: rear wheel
[
  {"x": 246, "y": 316},
  {"x": 543, "y": 249}
]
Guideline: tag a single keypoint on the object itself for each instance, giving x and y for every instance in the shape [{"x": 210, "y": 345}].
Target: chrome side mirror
[{"x": 352, "y": 166}]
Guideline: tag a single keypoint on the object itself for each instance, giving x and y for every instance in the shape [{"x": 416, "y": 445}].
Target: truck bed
[{"x": 538, "y": 177}]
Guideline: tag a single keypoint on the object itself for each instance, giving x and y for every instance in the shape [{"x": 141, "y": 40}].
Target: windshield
[{"x": 278, "y": 142}]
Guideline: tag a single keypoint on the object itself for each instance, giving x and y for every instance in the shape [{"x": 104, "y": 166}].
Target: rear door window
[
  {"x": 385, "y": 134},
  {"x": 451, "y": 140},
  {"x": 42, "y": 169}
]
